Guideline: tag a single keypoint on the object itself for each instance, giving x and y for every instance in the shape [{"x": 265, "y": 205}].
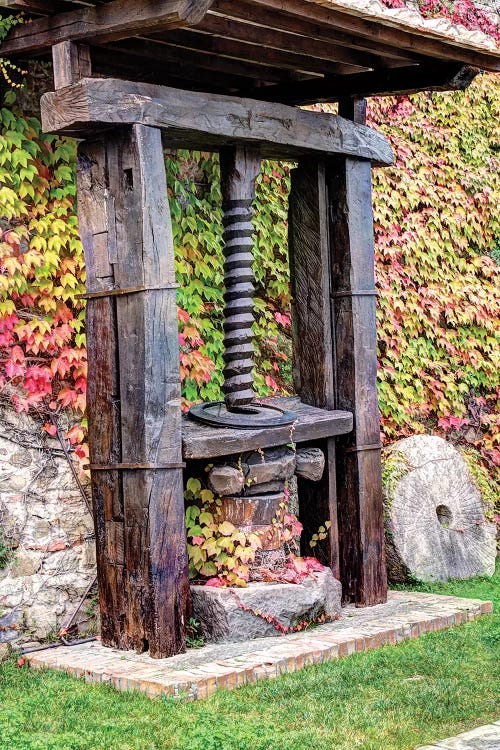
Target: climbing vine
[
  {"x": 438, "y": 246},
  {"x": 437, "y": 237},
  {"x": 473, "y": 16}
]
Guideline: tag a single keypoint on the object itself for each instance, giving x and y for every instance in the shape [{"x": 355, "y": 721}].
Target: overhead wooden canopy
[{"x": 295, "y": 52}]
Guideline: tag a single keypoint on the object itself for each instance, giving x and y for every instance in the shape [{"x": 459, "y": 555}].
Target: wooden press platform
[{"x": 204, "y": 441}]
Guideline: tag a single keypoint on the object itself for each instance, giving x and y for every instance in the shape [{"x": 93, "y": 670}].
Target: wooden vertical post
[
  {"x": 70, "y": 61},
  {"x": 134, "y": 391},
  {"x": 361, "y": 531},
  {"x": 312, "y": 343}
]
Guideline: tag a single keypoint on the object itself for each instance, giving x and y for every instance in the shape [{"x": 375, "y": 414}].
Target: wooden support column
[
  {"x": 134, "y": 391},
  {"x": 70, "y": 62},
  {"x": 312, "y": 343},
  {"x": 361, "y": 531}
]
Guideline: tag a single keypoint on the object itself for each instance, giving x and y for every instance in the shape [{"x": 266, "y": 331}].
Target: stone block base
[{"x": 224, "y": 615}]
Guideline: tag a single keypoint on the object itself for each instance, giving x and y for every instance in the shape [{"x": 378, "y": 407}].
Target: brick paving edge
[{"x": 285, "y": 657}]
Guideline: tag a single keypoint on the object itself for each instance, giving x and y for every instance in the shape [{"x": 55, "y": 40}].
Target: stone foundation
[
  {"x": 46, "y": 533},
  {"x": 230, "y": 615}
]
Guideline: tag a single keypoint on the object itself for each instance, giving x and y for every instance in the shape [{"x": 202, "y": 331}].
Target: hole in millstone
[{"x": 444, "y": 515}]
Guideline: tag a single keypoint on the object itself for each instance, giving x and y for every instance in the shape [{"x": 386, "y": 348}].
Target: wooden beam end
[{"x": 58, "y": 117}]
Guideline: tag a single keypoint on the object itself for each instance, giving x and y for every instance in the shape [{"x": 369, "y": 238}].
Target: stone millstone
[
  {"x": 222, "y": 619},
  {"x": 435, "y": 526}
]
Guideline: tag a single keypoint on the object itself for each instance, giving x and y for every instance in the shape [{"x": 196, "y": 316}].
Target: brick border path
[
  {"x": 200, "y": 672},
  {"x": 486, "y": 737}
]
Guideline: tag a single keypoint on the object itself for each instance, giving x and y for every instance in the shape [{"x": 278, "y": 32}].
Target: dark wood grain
[
  {"x": 114, "y": 20},
  {"x": 310, "y": 284},
  {"x": 103, "y": 399},
  {"x": 201, "y": 441},
  {"x": 447, "y": 76},
  {"x": 281, "y": 131},
  {"x": 70, "y": 63},
  {"x": 313, "y": 360},
  {"x": 134, "y": 405},
  {"x": 361, "y": 532}
]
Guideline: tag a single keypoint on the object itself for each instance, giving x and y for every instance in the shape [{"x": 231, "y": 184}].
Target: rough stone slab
[
  {"x": 225, "y": 480},
  {"x": 486, "y": 737},
  {"x": 192, "y": 675},
  {"x": 310, "y": 463},
  {"x": 275, "y": 464},
  {"x": 483, "y": 738},
  {"x": 222, "y": 619}
]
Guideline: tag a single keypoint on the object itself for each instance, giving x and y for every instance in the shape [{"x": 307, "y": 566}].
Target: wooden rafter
[
  {"x": 276, "y": 38},
  {"x": 246, "y": 10},
  {"x": 404, "y": 41},
  {"x": 268, "y": 55},
  {"x": 443, "y": 77},
  {"x": 116, "y": 20}
]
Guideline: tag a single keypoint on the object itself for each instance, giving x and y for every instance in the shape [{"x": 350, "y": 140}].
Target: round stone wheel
[{"x": 435, "y": 525}]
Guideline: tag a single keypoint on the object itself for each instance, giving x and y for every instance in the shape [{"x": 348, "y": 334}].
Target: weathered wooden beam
[
  {"x": 197, "y": 120},
  {"x": 402, "y": 40},
  {"x": 266, "y": 38},
  {"x": 310, "y": 285},
  {"x": 312, "y": 343},
  {"x": 134, "y": 391},
  {"x": 269, "y": 17},
  {"x": 393, "y": 81},
  {"x": 45, "y": 7},
  {"x": 202, "y": 442},
  {"x": 70, "y": 63},
  {"x": 101, "y": 23},
  {"x": 352, "y": 261}
]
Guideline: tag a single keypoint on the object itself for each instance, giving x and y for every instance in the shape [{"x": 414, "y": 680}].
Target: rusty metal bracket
[
  {"x": 125, "y": 291},
  {"x": 356, "y": 293},
  {"x": 134, "y": 467}
]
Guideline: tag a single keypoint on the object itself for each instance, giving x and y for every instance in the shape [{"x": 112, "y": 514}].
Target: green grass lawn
[{"x": 392, "y": 699}]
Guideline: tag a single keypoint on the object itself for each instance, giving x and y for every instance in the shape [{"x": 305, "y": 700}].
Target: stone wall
[{"x": 47, "y": 553}]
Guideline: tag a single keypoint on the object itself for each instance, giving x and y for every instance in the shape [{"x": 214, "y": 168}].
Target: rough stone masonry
[{"x": 47, "y": 553}]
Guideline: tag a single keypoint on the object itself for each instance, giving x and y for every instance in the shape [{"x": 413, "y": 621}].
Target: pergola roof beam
[{"x": 115, "y": 20}]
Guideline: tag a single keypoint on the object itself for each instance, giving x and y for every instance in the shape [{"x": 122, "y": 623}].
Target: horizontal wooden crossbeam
[
  {"x": 208, "y": 121},
  {"x": 115, "y": 20},
  {"x": 393, "y": 81}
]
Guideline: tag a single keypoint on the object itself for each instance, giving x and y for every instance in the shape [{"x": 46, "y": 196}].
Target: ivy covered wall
[{"x": 438, "y": 247}]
